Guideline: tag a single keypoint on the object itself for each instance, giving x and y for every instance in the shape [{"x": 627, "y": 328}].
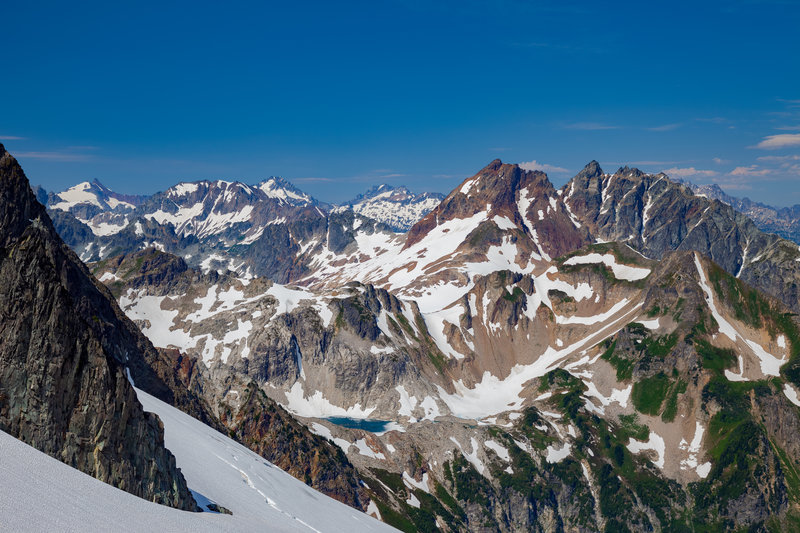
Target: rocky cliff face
[
  {"x": 63, "y": 387},
  {"x": 656, "y": 215}
]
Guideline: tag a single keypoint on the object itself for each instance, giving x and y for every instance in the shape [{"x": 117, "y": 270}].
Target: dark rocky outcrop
[{"x": 64, "y": 348}]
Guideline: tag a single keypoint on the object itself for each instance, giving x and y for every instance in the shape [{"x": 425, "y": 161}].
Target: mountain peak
[
  {"x": 494, "y": 165},
  {"x": 630, "y": 171},
  {"x": 591, "y": 170},
  {"x": 64, "y": 355},
  {"x": 18, "y": 205},
  {"x": 283, "y": 190},
  {"x": 522, "y": 197},
  {"x": 397, "y": 207}
]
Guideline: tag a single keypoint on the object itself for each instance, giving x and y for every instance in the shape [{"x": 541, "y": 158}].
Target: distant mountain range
[
  {"x": 783, "y": 221},
  {"x": 621, "y": 353}
]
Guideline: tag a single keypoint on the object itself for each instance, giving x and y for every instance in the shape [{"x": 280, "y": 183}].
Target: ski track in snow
[{"x": 39, "y": 493}]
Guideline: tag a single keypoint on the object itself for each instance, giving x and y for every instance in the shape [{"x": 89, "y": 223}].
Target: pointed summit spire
[
  {"x": 18, "y": 205},
  {"x": 591, "y": 170}
]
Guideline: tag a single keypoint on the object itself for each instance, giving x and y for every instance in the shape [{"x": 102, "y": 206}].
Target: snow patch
[
  {"x": 791, "y": 394},
  {"x": 412, "y": 483},
  {"x": 472, "y": 457},
  {"x": 501, "y": 451},
  {"x": 620, "y": 271},
  {"x": 655, "y": 442},
  {"x": 556, "y": 455},
  {"x": 317, "y": 406}
]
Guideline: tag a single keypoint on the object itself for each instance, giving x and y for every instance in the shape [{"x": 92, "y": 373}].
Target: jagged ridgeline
[
  {"x": 618, "y": 354},
  {"x": 63, "y": 353}
]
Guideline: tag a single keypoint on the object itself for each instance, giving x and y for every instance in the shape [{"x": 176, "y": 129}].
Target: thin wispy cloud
[
  {"x": 789, "y": 103},
  {"x": 689, "y": 172},
  {"x": 395, "y": 175},
  {"x": 713, "y": 120},
  {"x": 779, "y": 158},
  {"x": 313, "y": 179},
  {"x": 544, "y": 167},
  {"x": 63, "y": 157},
  {"x": 82, "y": 148},
  {"x": 648, "y": 163},
  {"x": 589, "y": 126},
  {"x": 743, "y": 177},
  {"x": 782, "y": 140},
  {"x": 733, "y": 184},
  {"x": 11, "y": 138},
  {"x": 752, "y": 170},
  {"x": 665, "y": 127},
  {"x": 719, "y": 161}
]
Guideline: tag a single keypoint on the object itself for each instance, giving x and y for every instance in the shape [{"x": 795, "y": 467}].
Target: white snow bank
[
  {"x": 791, "y": 393},
  {"x": 317, "y": 406},
  {"x": 365, "y": 449},
  {"x": 770, "y": 365},
  {"x": 623, "y": 272},
  {"x": 412, "y": 483},
  {"x": 655, "y": 442},
  {"x": 556, "y": 455},
  {"x": 500, "y": 450},
  {"x": 323, "y": 431},
  {"x": 650, "y": 324},
  {"x": 472, "y": 457},
  {"x": 493, "y": 395}
]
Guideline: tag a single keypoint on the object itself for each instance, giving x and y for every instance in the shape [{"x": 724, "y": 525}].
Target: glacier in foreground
[{"x": 39, "y": 493}]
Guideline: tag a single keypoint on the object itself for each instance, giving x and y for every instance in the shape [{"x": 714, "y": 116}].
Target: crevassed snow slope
[{"x": 39, "y": 493}]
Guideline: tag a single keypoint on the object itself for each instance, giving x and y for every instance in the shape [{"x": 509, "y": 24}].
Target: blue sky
[{"x": 339, "y": 96}]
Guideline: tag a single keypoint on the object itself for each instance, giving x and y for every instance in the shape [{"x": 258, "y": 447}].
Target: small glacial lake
[{"x": 367, "y": 424}]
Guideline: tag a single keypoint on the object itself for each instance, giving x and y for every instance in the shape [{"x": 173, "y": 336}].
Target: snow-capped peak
[
  {"x": 397, "y": 207},
  {"x": 280, "y": 189},
  {"x": 93, "y": 194}
]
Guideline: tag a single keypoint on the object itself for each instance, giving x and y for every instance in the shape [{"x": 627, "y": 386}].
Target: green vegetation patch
[
  {"x": 660, "y": 347},
  {"x": 631, "y": 427},
  {"x": 713, "y": 358},
  {"x": 513, "y": 296},
  {"x": 648, "y": 394},
  {"x": 624, "y": 367},
  {"x": 671, "y": 407}
]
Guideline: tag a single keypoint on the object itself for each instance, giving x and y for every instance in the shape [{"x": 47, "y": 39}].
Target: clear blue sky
[{"x": 338, "y": 96}]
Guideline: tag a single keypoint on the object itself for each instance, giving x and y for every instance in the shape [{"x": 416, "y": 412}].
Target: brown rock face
[
  {"x": 63, "y": 388},
  {"x": 520, "y": 195}
]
